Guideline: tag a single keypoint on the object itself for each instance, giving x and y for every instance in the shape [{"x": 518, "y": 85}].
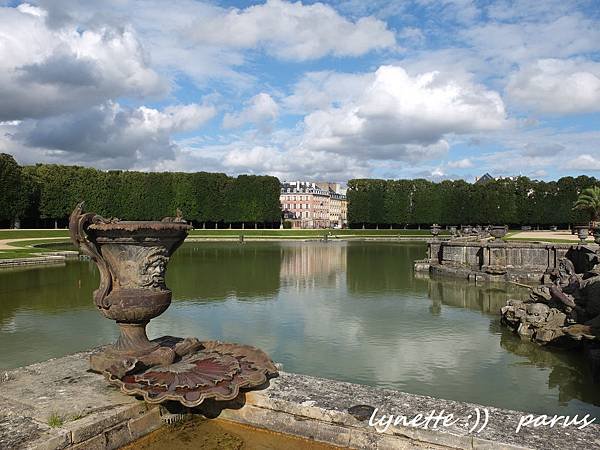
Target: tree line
[
  {"x": 45, "y": 194},
  {"x": 515, "y": 202}
]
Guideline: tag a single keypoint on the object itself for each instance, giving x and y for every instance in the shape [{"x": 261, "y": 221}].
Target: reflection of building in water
[{"x": 306, "y": 264}]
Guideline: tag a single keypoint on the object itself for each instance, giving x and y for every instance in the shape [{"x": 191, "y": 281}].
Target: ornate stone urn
[
  {"x": 582, "y": 233},
  {"x": 435, "y": 229},
  {"x": 132, "y": 258},
  {"x": 498, "y": 231}
]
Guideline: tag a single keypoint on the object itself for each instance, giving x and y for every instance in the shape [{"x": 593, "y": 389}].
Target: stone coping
[
  {"x": 516, "y": 244},
  {"x": 34, "y": 260},
  {"x": 95, "y": 415}
]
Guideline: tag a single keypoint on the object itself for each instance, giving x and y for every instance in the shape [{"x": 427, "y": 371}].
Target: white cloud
[
  {"x": 397, "y": 116},
  {"x": 294, "y": 31},
  {"x": 46, "y": 71},
  {"x": 584, "y": 162},
  {"x": 533, "y": 151},
  {"x": 529, "y": 39},
  {"x": 108, "y": 135},
  {"x": 461, "y": 164},
  {"x": 261, "y": 110},
  {"x": 557, "y": 86},
  {"x": 320, "y": 90},
  {"x": 285, "y": 162}
]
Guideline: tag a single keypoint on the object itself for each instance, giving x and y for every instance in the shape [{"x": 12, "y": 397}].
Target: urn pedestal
[
  {"x": 132, "y": 258},
  {"x": 582, "y": 233}
]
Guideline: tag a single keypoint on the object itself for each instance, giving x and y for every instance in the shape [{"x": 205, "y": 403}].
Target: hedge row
[
  {"x": 519, "y": 201},
  {"x": 49, "y": 192}
]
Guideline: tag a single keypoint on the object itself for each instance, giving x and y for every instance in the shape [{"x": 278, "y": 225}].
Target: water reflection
[
  {"x": 306, "y": 266},
  {"x": 228, "y": 270},
  {"x": 567, "y": 372},
  {"x": 487, "y": 298},
  {"x": 347, "y": 310}
]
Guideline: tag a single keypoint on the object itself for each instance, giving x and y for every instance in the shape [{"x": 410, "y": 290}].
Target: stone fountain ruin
[
  {"x": 132, "y": 258},
  {"x": 565, "y": 309}
]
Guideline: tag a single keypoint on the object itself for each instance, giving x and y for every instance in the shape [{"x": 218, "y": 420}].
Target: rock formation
[{"x": 567, "y": 306}]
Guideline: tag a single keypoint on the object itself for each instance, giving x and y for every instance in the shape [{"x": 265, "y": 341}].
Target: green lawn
[
  {"x": 21, "y": 253},
  {"x": 25, "y": 234},
  {"x": 25, "y": 248},
  {"x": 28, "y": 234},
  {"x": 309, "y": 233}
]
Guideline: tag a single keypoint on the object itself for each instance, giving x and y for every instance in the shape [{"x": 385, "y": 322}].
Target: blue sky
[{"x": 319, "y": 90}]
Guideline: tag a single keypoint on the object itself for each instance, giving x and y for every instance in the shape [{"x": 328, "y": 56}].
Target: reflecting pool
[{"x": 351, "y": 311}]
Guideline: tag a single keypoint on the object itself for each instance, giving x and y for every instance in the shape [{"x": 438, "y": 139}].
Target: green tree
[
  {"x": 425, "y": 202},
  {"x": 376, "y": 197},
  {"x": 13, "y": 202},
  {"x": 397, "y": 202},
  {"x": 358, "y": 202},
  {"x": 589, "y": 201}
]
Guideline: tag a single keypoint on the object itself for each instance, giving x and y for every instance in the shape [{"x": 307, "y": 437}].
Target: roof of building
[{"x": 484, "y": 178}]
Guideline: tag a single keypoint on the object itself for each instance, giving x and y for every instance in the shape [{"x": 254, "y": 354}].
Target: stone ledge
[
  {"x": 35, "y": 260},
  {"x": 328, "y": 401},
  {"x": 97, "y": 416}
]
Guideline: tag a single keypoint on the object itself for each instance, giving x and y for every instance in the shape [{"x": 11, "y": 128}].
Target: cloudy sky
[{"x": 321, "y": 90}]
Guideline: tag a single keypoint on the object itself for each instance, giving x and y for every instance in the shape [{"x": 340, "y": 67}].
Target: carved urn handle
[{"x": 78, "y": 225}]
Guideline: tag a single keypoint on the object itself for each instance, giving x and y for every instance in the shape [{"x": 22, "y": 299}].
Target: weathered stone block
[
  {"x": 118, "y": 436},
  {"x": 150, "y": 421},
  {"x": 94, "y": 424},
  {"x": 55, "y": 440},
  {"x": 95, "y": 443}
]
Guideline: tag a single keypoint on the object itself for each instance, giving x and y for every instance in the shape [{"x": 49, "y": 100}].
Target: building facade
[{"x": 308, "y": 204}]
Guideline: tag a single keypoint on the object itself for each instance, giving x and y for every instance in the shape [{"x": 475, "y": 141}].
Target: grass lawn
[
  {"x": 28, "y": 234},
  {"x": 309, "y": 233},
  {"x": 25, "y": 248},
  {"x": 21, "y": 253}
]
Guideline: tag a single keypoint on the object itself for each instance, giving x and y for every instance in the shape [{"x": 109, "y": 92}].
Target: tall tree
[
  {"x": 358, "y": 202},
  {"x": 14, "y": 200}
]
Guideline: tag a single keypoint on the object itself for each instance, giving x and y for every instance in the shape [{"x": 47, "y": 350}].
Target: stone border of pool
[
  {"x": 45, "y": 258},
  {"x": 59, "y": 257},
  {"x": 87, "y": 413}
]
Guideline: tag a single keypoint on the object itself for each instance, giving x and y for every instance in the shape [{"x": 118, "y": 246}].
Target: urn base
[
  {"x": 200, "y": 370},
  {"x": 133, "y": 345}
]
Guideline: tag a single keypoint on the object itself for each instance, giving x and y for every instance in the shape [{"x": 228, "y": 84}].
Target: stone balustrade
[{"x": 501, "y": 261}]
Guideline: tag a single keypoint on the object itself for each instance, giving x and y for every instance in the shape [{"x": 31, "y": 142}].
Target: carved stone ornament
[{"x": 132, "y": 258}]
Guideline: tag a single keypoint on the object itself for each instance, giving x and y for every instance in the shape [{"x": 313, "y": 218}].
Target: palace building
[{"x": 308, "y": 204}]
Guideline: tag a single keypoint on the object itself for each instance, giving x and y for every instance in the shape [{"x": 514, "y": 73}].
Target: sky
[{"x": 436, "y": 89}]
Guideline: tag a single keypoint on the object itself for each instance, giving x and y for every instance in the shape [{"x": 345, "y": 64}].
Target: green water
[{"x": 351, "y": 311}]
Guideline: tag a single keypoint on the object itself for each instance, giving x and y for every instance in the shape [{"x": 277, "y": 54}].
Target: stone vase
[
  {"x": 498, "y": 231},
  {"x": 582, "y": 232},
  {"x": 132, "y": 258}
]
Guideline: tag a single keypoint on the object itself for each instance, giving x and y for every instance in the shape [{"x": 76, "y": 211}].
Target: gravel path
[
  {"x": 541, "y": 235},
  {"x": 5, "y": 243}
]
